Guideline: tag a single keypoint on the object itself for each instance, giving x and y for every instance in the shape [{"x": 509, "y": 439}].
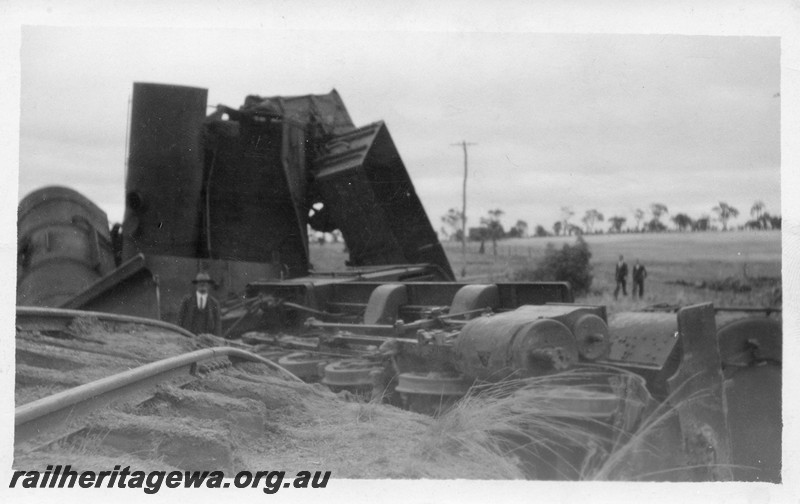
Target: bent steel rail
[{"x": 62, "y": 409}]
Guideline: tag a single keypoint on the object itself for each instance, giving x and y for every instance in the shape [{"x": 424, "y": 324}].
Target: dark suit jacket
[
  {"x": 198, "y": 321},
  {"x": 621, "y": 272}
]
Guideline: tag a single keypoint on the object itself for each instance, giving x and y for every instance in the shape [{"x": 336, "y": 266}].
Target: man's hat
[{"x": 203, "y": 277}]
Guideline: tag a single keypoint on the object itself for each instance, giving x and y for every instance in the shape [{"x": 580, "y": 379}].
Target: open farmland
[{"x": 683, "y": 268}]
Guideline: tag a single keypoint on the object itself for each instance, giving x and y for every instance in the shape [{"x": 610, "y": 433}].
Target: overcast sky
[{"x": 611, "y": 122}]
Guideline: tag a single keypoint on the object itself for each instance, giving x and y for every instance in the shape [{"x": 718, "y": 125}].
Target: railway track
[
  {"x": 82, "y": 373},
  {"x": 49, "y": 416}
]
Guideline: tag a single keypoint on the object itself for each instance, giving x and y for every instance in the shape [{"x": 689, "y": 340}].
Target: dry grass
[
  {"x": 527, "y": 428},
  {"x": 522, "y": 429}
]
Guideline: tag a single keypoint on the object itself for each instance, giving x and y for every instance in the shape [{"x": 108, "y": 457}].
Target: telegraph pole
[{"x": 463, "y": 144}]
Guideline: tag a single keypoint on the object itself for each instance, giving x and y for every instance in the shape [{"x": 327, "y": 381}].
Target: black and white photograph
[{"x": 352, "y": 251}]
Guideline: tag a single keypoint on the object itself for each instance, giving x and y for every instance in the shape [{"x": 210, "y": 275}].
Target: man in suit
[
  {"x": 621, "y": 276},
  {"x": 199, "y": 312},
  {"x": 639, "y": 274}
]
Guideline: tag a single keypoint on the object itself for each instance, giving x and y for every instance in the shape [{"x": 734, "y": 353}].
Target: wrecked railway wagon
[
  {"x": 232, "y": 193},
  {"x": 690, "y": 394}
]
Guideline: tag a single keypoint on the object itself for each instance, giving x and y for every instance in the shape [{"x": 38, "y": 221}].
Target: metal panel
[
  {"x": 697, "y": 393},
  {"x": 643, "y": 339},
  {"x": 372, "y": 200},
  {"x": 647, "y": 344},
  {"x": 513, "y": 294},
  {"x": 751, "y": 353},
  {"x": 326, "y": 112},
  {"x": 256, "y": 193},
  {"x": 753, "y": 397},
  {"x": 131, "y": 289}
]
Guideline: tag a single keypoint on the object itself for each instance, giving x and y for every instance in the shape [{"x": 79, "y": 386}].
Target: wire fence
[{"x": 502, "y": 250}]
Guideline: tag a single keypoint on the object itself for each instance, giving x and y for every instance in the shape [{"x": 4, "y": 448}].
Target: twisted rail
[{"x": 59, "y": 411}]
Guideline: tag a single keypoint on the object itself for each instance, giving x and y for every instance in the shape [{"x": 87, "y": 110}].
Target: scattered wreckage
[{"x": 234, "y": 194}]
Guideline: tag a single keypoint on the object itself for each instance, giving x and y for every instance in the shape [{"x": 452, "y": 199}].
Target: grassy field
[{"x": 675, "y": 262}]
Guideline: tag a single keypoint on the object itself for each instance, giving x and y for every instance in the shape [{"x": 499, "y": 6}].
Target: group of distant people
[{"x": 621, "y": 276}]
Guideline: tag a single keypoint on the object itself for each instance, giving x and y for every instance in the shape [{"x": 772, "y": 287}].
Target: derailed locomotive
[{"x": 234, "y": 193}]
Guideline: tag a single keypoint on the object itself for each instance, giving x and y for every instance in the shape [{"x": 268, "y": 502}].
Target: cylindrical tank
[
  {"x": 63, "y": 246},
  {"x": 165, "y": 170},
  {"x": 519, "y": 343}
]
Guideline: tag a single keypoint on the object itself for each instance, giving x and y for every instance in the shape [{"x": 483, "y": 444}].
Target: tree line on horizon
[{"x": 491, "y": 228}]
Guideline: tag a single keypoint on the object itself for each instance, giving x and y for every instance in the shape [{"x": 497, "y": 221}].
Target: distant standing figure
[
  {"x": 116, "y": 243},
  {"x": 639, "y": 274},
  {"x": 621, "y": 276},
  {"x": 199, "y": 312}
]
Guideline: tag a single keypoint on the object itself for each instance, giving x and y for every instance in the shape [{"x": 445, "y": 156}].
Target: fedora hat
[{"x": 203, "y": 277}]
